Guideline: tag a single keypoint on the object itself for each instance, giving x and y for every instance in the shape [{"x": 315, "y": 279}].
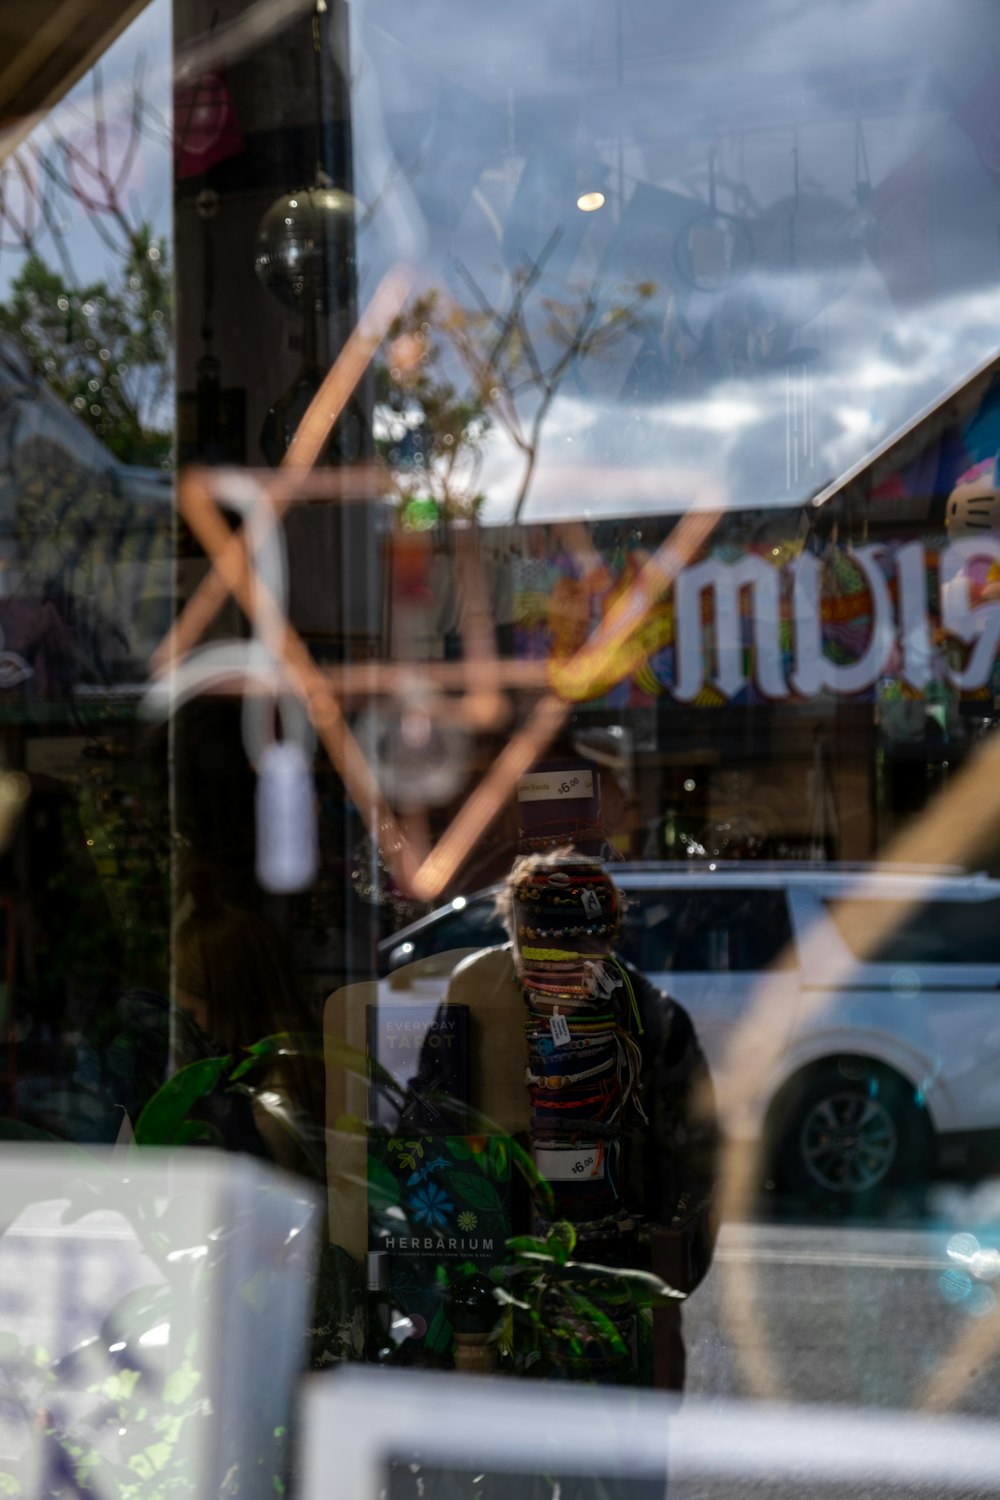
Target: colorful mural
[{"x": 775, "y": 622}]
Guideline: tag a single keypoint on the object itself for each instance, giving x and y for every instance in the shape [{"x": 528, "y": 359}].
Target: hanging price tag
[
  {"x": 555, "y": 786},
  {"x": 559, "y": 1030},
  {"x": 605, "y": 980},
  {"x": 591, "y": 905}
]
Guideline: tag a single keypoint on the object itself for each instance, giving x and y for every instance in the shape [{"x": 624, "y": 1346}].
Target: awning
[{"x": 45, "y": 47}]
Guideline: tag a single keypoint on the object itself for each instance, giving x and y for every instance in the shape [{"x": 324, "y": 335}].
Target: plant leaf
[
  {"x": 499, "y": 1159},
  {"x": 523, "y": 1244},
  {"x": 282, "y": 1044},
  {"x": 645, "y": 1289},
  {"x": 509, "y": 1300},
  {"x": 309, "y": 1137},
  {"x": 477, "y": 1191},
  {"x": 483, "y": 1125},
  {"x": 590, "y": 1313},
  {"x": 383, "y": 1189},
  {"x": 169, "y": 1106},
  {"x": 561, "y": 1241},
  {"x": 438, "y": 1337}
]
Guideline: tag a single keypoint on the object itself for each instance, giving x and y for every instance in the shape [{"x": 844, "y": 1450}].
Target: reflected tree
[
  {"x": 104, "y": 344},
  {"x": 428, "y": 434},
  {"x": 456, "y": 372},
  {"x": 103, "y": 347}
]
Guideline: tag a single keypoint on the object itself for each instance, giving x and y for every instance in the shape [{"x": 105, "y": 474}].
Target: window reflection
[{"x": 607, "y": 402}]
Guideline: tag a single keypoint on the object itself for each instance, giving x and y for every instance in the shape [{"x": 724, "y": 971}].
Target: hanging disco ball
[{"x": 302, "y": 245}]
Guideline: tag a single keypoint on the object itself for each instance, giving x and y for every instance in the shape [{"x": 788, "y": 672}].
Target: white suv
[{"x": 860, "y": 1069}]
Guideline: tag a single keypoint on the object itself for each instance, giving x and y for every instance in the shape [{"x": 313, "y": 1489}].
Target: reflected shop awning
[
  {"x": 901, "y": 480},
  {"x": 45, "y": 47}
]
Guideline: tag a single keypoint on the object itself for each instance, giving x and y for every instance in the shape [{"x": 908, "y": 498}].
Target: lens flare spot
[
  {"x": 954, "y": 1285},
  {"x": 962, "y": 1247},
  {"x": 985, "y": 1264},
  {"x": 981, "y": 1301}
]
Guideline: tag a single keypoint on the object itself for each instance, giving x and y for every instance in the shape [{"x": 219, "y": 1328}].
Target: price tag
[
  {"x": 559, "y": 1030},
  {"x": 570, "y": 1166},
  {"x": 591, "y": 905},
  {"x": 605, "y": 979},
  {"x": 555, "y": 786}
]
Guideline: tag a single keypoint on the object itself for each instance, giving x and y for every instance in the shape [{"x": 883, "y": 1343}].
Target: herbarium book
[{"x": 437, "y": 1201}]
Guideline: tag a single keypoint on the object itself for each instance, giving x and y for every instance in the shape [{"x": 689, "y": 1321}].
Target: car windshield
[{"x": 474, "y": 925}]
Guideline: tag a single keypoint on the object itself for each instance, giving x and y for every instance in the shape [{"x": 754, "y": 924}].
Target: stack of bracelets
[{"x": 583, "y": 1062}]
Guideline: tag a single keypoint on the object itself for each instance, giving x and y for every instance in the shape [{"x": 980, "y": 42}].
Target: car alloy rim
[{"x": 848, "y": 1142}]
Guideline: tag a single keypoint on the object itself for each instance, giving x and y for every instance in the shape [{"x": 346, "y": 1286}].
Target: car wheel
[{"x": 853, "y": 1135}]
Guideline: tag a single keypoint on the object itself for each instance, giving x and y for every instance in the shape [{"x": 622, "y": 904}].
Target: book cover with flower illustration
[{"x": 437, "y": 1200}]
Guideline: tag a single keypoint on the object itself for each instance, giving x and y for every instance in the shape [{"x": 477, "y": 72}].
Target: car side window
[
  {"x": 720, "y": 932},
  {"x": 935, "y": 932},
  {"x": 649, "y": 922}
]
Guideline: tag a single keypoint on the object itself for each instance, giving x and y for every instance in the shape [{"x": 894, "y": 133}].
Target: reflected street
[{"x": 854, "y": 1316}]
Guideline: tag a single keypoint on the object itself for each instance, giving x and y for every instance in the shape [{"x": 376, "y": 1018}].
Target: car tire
[{"x": 852, "y": 1136}]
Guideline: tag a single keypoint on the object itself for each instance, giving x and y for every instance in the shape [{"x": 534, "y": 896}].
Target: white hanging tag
[
  {"x": 286, "y": 818},
  {"x": 605, "y": 979},
  {"x": 559, "y": 1030},
  {"x": 591, "y": 905}
]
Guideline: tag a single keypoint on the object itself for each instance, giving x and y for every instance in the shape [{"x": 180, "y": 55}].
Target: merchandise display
[
  {"x": 584, "y": 1060},
  {"x": 584, "y": 1066}
]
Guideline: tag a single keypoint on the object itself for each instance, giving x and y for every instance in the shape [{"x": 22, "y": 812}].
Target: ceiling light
[{"x": 589, "y": 203}]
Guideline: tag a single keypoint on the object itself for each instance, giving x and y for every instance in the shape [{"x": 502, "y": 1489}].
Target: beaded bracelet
[
  {"x": 606, "y": 1041},
  {"x": 564, "y": 1080}
]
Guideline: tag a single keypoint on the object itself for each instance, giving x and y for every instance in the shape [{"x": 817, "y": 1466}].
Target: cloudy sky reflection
[{"x": 799, "y": 249}]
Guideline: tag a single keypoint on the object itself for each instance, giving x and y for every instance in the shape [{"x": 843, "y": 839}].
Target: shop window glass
[{"x": 609, "y": 399}]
